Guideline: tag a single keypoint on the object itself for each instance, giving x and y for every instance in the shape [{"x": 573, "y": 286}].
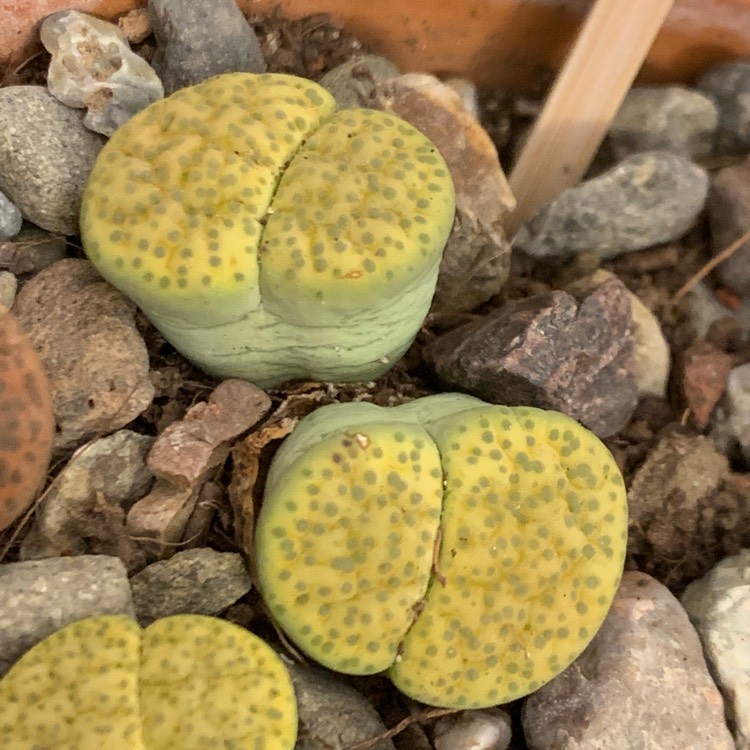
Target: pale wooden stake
[{"x": 589, "y": 89}]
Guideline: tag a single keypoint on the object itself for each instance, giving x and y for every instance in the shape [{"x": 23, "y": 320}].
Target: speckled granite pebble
[
  {"x": 664, "y": 118},
  {"x": 719, "y": 606},
  {"x": 46, "y": 155},
  {"x": 645, "y": 200},
  {"x": 40, "y": 597}
]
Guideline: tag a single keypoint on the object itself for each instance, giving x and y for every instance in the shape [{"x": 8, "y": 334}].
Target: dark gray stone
[
  {"x": 729, "y": 218},
  {"x": 664, "y": 118},
  {"x": 10, "y": 219},
  {"x": 645, "y": 200},
  {"x": 551, "y": 352},
  {"x": 332, "y": 715},
  {"x": 197, "y": 40},
  {"x": 729, "y": 85},
  {"x": 197, "y": 581},
  {"x": 40, "y": 597},
  {"x": 641, "y": 683},
  {"x": 46, "y": 156}
]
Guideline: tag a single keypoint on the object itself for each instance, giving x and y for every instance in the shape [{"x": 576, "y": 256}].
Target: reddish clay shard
[{"x": 26, "y": 422}]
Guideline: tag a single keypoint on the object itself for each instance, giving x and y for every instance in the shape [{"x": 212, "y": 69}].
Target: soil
[{"x": 309, "y": 47}]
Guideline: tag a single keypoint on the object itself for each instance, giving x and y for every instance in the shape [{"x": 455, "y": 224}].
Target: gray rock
[
  {"x": 729, "y": 217},
  {"x": 729, "y": 85},
  {"x": 489, "y": 729},
  {"x": 196, "y": 581},
  {"x": 664, "y": 118},
  {"x": 719, "y": 607},
  {"x": 84, "y": 331},
  {"x": 93, "y": 67},
  {"x": 8, "y": 287},
  {"x": 199, "y": 40},
  {"x": 39, "y": 598},
  {"x": 352, "y": 83},
  {"x": 10, "y": 219},
  {"x": 551, "y": 352},
  {"x": 46, "y": 155},
  {"x": 738, "y": 407},
  {"x": 641, "y": 683},
  {"x": 332, "y": 715},
  {"x": 645, "y": 200},
  {"x": 83, "y": 510}
]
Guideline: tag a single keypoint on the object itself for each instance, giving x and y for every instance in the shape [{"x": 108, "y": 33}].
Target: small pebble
[
  {"x": 46, "y": 155},
  {"x": 40, "y": 597},
  {"x": 549, "y": 351},
  {"x": 332, "y": 715},
  {"x": 684, "y": 516},
  {"x": 643, "y": 682},
  {"x": 196, "y": 581},
  {"x": 10, "y": 219},
  {"x": 489, "y": 729},
  {"x": 738, "y": 407},
  {"x": 719, "y": 606},
  {"x": 664, "y": 118},
  {"x": 705, "y": 309},
  {"x": 703, "y": 373},
  {"x": 93, "y": 67},
  {"x": 729, "y": 85},
  {"x": 729, "y": 218},
  {"x": 197, "y": 40},
  {"x": 83, "y": 511},
  {"x": 8, "y": 287},
  {"x": 352, "y": 83},
  {"x": 84, "y": 331},
  {"x": 31, "y": 250},
  {"x": 645, "y": 200}
]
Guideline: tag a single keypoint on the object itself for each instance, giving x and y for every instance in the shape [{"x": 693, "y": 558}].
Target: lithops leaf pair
[
  {"x": 469, "y": 550},
  {"x": 268, "y": 236},
  {"x": 185, "y": 682},
  {"x": 26, "y": 422}
]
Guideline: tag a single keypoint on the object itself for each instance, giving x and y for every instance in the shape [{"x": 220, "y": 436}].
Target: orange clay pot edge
[{"x": 513, "y": 43}]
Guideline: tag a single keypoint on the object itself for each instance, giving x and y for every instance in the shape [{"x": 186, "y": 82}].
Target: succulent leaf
[
  {"x": 525, "y": 511},
  {"x": 185, "y": 682},
  {"x": 267, "y": 236}
]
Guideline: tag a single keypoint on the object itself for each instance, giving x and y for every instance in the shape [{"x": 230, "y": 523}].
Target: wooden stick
[{"x": 584, "y": 99}]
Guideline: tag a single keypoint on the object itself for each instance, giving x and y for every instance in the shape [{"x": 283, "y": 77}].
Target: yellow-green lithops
[
  {"x": 471, "y": 551},
  {"x": 185, "y": 682},
  {"x": 267, "y": 235}
]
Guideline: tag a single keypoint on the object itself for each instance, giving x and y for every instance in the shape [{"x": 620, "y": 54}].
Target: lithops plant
[
  {"x": 27, "y": 425},
  {"x": 470, "y": 551},
  {"x": 185, "y": 682},
  {"x": 268, "y": 236}
]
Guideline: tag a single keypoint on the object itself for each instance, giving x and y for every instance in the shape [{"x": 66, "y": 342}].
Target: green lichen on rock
[
  {"x": 185, "y": 682},
  {"x": 470, "y": 550},
  {"x": 267, "y": 235}
]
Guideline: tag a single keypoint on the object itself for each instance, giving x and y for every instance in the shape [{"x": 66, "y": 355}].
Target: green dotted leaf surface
[
  {"x": 186, "y": 682},
  {"x": 493, "y": 589},
  {"x": 266, "y": 235}
]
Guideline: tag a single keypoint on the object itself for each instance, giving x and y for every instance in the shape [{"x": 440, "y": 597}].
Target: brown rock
[
  {"x": 686, "y": 511},
  {"x": 476, "y": 260},
  {"x": 704, "y": 375},
  {"x": 185, "y": 453},
  {"x": 549, "y": 351},
  {"x": 83, "y": 329},
  {"x": 642, "y": 682}
]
